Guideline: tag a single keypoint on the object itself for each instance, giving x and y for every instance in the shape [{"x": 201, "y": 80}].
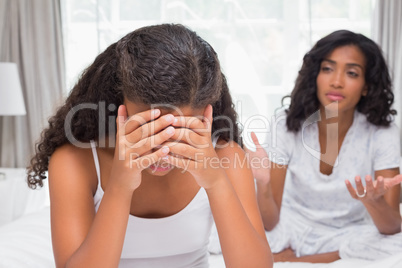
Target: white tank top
[{"x": 180, "y": 240}]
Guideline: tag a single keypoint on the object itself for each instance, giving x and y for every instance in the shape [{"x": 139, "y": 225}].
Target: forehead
[
  {"x": 136, "y": 107},
  {"x": 349, "y": 54}
]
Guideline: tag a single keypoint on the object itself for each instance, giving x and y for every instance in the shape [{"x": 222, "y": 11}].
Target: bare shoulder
[
  {"x": 71, "y": 152},
  {"x": 233, "y": 157},
  {"x": 237, "y": 167},
  {"x": 72, "y": 185},
  {"x": 72, "y": 166},
  {"x": 229, "y": 149},
  {"x": 233, "y": 160}
]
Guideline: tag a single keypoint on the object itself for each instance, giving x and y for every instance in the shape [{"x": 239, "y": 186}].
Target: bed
[{"x": 25, "y": 239}]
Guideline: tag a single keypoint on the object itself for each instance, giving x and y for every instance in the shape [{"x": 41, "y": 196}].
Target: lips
[
  {"x": 160, "y": 167},
  {"x": 335, "y": 96}
]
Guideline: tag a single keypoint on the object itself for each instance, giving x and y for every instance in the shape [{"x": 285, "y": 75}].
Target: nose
[{"x": 337, "y": 79}]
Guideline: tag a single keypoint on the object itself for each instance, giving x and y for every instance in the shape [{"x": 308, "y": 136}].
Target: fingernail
[
  {"x": 170, "y": 130},
  {"x": 156, "y": 112},
  {"x": 165, "y": 150},
  {"x": 175, "y": 120},
  {"x": 169, "y": 118},
  {"x": 120, "y": 118}
]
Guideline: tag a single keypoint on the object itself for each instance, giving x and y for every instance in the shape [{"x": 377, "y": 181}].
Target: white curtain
[
  {"x": 30, "y": 36},
  {"x": 387, "y": 32}
]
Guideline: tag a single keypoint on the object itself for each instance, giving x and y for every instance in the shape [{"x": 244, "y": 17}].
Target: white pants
[{"x": 360, "y": 240}]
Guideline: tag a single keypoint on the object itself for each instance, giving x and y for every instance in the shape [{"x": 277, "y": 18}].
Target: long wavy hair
[
  {"x": 162, "y": 64},
  {"x": 376, "y": 105}
]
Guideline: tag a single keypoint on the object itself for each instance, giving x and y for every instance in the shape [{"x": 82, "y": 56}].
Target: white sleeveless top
[{"x": 180, "y": 240}]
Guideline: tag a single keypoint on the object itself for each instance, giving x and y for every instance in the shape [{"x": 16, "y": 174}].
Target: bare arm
[
  {"x": 229, "y": 184},
  {"x": 79, "y": 236},
  {"x": 381, "y": 199},
  {"x": 230, "y": 188},
  {"x": 234, "y": 206},
  {"x": 269, "y": 196}
]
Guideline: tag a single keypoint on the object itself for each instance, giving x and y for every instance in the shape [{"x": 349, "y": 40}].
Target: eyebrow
[{"x": 348, "y": 64}]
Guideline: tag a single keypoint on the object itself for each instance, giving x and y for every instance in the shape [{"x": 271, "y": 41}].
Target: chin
[{"x": 331, "y": 105}]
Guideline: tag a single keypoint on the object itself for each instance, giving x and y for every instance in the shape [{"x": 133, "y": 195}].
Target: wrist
[
  {"x": 114, "y": 188},
  {"x": 262, "y": 182},
  {"x": 264, "y": 187},
  {"x": 221, "y": 182},
  {"x": 264, "y": 190}
]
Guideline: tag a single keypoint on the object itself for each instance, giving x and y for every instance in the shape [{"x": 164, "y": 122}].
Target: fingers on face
[
  {"x": 144, "y": 131},
  {"x": 150, "y": 128},
  {"x": 189, "y": 137},
  {"x": 149, "y": 159},
  {"x": 182, "y": 150},
  {"x": 193, "y": 123},
  {"x": 121, "y": 117},
  {"x": 147, "y": 144},
  {"x": 182, "y": 163},
  {"x": 127, "y": 125}
]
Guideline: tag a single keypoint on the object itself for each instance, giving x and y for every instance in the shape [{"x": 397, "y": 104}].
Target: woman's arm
[
  {"x": 227, "y": 179},
  {"x": 235, "y": 209},
  {"x": 381, "y": 199},
  {"x": 270, "y": 181},
  {"x": 384, "y": 210},
  {"x": 269, "y": 195},
  {"x": 80, "y": 237}
]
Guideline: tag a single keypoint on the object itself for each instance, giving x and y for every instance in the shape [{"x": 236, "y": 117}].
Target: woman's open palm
[{"x": 374, "y": 189}]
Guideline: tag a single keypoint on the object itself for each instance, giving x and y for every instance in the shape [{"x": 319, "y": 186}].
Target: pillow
[{"x": 16, "y": 198}]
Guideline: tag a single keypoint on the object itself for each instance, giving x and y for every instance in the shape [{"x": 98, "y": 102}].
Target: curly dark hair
[
  {"x": 376, "y": 105},
  {"x": 160, "y": 64}
]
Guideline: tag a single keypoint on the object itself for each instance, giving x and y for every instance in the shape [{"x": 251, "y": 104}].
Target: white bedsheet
[
  {"x": 216, "y": 261},
  {"x": 26, "y": 243}
]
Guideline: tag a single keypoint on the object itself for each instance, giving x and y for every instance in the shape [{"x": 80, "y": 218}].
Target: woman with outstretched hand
[{"x": 333, "y": 187}]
